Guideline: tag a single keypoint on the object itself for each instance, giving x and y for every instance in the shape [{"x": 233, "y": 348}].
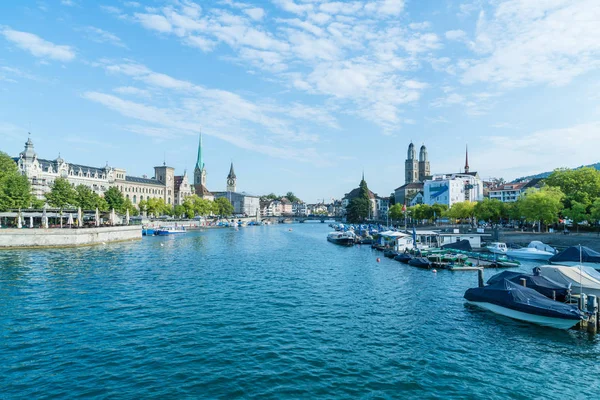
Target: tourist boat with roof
[
  {"x": 342, "y": 238},
  {"x": 169, "y": 230}
]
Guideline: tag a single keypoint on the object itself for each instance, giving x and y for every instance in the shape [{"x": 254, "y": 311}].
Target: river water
[{"x": 270, "y": 313}]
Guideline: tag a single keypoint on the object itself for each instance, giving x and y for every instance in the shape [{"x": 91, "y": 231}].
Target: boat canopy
[
  {"x": 536, "y": 244},
  {"x": 538, "y": 283},
  {"x": 586, "y": 277},
  {"x": 463, "y": 245},
  {"x": 572, "y": 254},
  {"x": 510, "y": 295},
  {"x": 393, "y": 234}
]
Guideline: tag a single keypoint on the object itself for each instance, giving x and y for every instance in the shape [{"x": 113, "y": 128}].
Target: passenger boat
[
  {"x": 147, "y": 231},
  {"x": 342, "y": 238},
  {"x": 525, "y": 304},
  {"x": 169, "y": 230},
  {"x": 576, "y": 255}
]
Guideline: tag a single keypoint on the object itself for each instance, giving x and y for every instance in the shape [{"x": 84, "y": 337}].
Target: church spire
[
  {"x": 466, "y": 159},
  {"x": 231, "y": 172},
  {"x": 199, "y": 163}
]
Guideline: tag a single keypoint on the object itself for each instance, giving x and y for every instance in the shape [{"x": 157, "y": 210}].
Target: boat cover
[
  {"x": 464, "y": 245},
  {"x": 508, "y": 294},
  {"x": 419, "y": 262},
  {"x": 536, "y": 244},
  {"x": 571, "y": 254},
  {"x": 587, "y": 277},
  {"x": 538, "y": 283},
  {"x": 403, "y": 257}
]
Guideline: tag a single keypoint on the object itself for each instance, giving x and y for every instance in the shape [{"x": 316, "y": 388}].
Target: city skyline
[{"x": 303, "y": 96}]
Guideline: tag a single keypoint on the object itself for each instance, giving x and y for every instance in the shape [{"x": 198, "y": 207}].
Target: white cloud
[
  {"x": 101, "y": 36},
  {"x": 255, "y": 13},
  {"x": 419, "y": 26},
  {"x": 456, "y": 34},
  {"x": 527, "y": 42},
  {"x": 69, "y": 3},
  {"x": 39, "y": 47},
  {"x": 132, "y": 91},
  {"x": 154, "y": 21}
]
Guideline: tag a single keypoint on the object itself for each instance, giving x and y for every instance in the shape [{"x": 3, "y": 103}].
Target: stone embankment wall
[{"x": 32, "y": 238}]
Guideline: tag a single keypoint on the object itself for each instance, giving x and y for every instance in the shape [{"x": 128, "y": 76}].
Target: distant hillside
[{"x": 546, "y": 174}]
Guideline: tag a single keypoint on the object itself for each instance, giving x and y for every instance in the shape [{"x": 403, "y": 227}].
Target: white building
[
  {"x": 511, "y": 192},
  {"x": 453, "y": 188}
]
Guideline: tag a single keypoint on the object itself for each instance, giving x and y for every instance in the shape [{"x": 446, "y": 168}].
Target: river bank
[
  {"x": 56, "y": 237},
  {"x": 557, "y": 240}
]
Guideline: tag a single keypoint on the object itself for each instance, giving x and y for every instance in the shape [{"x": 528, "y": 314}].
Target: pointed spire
[
  {"x": 199, "y": 163},
  {"x": 466, "y": 159},
  {"x": 231, "y": 172}
]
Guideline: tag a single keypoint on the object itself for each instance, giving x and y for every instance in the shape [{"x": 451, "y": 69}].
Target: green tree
[
  {"x": 114, "y": 198},
  {"x": 490, "y": 210},
  {"x": 223, "y": 207},
  {"x": 157, "y": 207},
  {"x": 439, "y": 210},
  {"x": 128, "y": 205},
  {"x": 61, "y": 194},
  {"x": 395, "y": 212},
  {"x": 358, "y": 210},
  {"x": 15, "y": 190},
  {"x": 292, "y": 197},
  {"x": 462, "y": 210},
  {"x": 541, "y": 205},
  {"x": 581, "y": 185},
  {"x": 85, "y": 197},
  {"x": 143, "y": 205},
  {"x": 577, "y": 212},
  {"x": 179, "y": 211}
]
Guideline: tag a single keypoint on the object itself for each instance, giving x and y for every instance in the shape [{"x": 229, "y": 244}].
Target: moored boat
[
  {"x": 403, "y": 258},
  {"x": 169, "y": 230},
  {"x": 581, "y": 278},
  {"x": 342, "y": 238},
  {"x": 497, "y": 248},
  {"x": 577, "y": 255},
  {"x": 546, "y": 286},
  {"x": 525, "y": 304},
  {"x": 420, "y": 262},
  {"x": 147, "y": 231}
]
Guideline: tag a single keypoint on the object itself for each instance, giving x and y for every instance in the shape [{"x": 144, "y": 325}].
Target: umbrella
[
  {"x": 127, "y": 217},
  {"x": 31, "y": 222},
  {"x": 112, "y": 217},
  {"x": 44, "y": 219},
  {"x": 79, "y": 217},
  {"x": 70, "y": 220},
  {"x": 97, "y": 217},
  {"x": 19, "y": 221},
  {"x": 414, "y": 237}
]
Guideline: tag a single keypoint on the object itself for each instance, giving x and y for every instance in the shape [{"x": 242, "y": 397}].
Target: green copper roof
[{"x": 199, "y": 163}]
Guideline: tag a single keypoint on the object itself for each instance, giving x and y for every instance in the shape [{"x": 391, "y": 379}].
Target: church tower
[
  {"x": 411, "y": 165},
  {"x": 467, "y": 159},
  {"x": 424, "y": 168},
  {"x": 199, "y": 170},
  {"x": 231, "y": 180}
]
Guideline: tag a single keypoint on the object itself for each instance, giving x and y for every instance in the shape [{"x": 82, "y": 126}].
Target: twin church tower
[{"x": 416, "y": 170}]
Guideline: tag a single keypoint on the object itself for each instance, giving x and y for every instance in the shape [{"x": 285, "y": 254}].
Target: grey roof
[
  {"x": 44, "y": 164},
  {"x": 145, "y": 181},
  {"x": 412, "y": 185}
]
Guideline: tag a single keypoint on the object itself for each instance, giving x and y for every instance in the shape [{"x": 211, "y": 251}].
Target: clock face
[{"x": 230, "y": 182}]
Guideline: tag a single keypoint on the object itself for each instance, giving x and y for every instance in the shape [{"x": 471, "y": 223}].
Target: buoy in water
[
  {"x": 378, "y": 259},
  {"x": 434, "y": 271}
]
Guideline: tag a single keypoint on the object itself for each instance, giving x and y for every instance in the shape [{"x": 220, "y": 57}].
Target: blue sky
[{"x": 304, "y": 95}]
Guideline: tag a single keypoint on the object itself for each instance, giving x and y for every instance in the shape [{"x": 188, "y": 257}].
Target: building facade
[
  {"x": 416, "y": 170},
  {"x": 43, "y": 172},
  {"x": 511, "y": 192},
  {"x": 453, "y": 188}
]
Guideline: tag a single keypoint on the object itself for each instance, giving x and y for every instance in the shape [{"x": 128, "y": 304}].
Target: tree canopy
[
  {"x": 492, "y": 210},
  {"x": 223, "y": 207},
  {"x": 114, "y": 198},
  {"x": 581, "y": 185},
  {"x": 62, "y": 194},
  {"x": 15, "y": 190},
  {"x": 541, "y": 205},
  {"x": 462, "y": 210}
]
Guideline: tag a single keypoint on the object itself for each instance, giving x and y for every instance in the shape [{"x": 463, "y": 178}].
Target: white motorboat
[
  {"x": 497, "y": 248},
  {"x": 342, "y": 238},
  {"x": 581, "y": 278},
  {"x": 529, "y": 253}
]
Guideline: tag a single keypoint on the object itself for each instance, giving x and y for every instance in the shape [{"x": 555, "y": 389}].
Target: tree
[
  {"x": 490, "y": 210},
  {"x": 541, "y": 205},
  {"x": 157, "y": 207},
  {"x": 179, "y": 211},
  {"x": 223, "y": 207},
  {"x": 577, "y": 212},
  {"x": 392, "y": 199},
  {"x": 143, "y": 205},
  {"x": 15, "y": 190},
  {"x": 86, "y": 198},
  {"x": 462, "y": 210},
  {"x": 395, "y": 212},
  {"x": 292, "y": 197},
  {"x": 114, "y": 198},
  {"x": 62, "y": 194},
  {"x": 439, "y": 210},
  {"x": 581, "y": 185},
  {"x": 128, "y": 205},
  {"x": 358, "y": 210}
]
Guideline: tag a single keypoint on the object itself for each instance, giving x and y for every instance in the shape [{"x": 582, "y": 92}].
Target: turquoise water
[{"x": 270, "y": 313}]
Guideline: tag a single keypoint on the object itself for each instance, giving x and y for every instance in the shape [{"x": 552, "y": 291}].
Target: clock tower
[{"x": 231, "y": 180}]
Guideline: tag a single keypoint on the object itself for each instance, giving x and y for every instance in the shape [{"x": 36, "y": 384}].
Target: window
[{"x": 134, "y": 199}]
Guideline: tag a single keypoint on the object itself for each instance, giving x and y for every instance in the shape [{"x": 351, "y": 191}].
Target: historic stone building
[
  {"x": 43, "y": 172},
  {"x": 200, "y": 176},
  {"x": 416, "y": 171}
]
